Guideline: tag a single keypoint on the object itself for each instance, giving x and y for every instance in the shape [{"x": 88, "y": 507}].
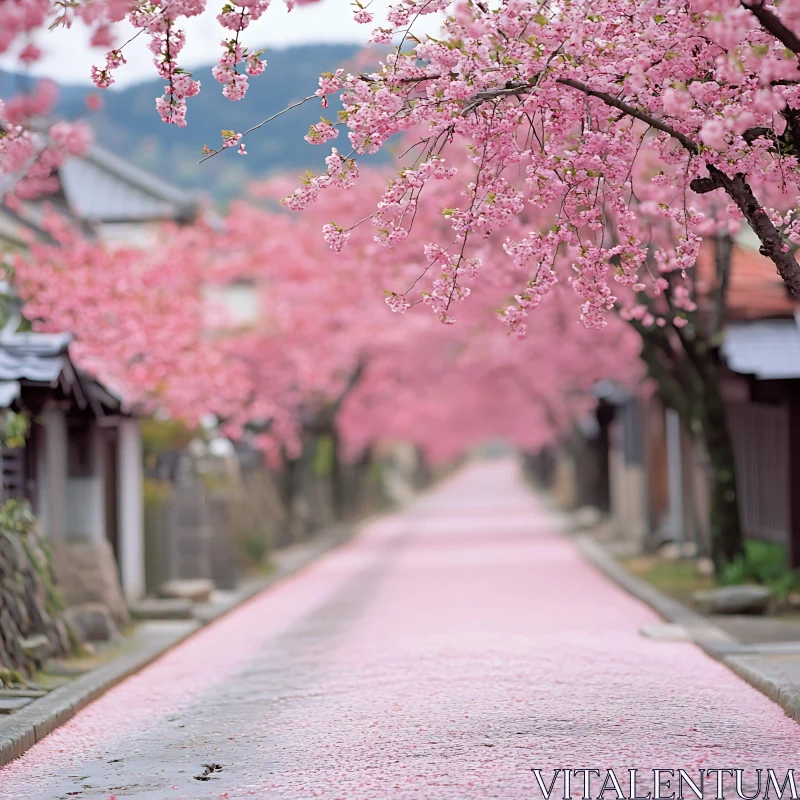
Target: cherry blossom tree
[
  {"x": 138, "y": 317},
  {"x": 553, "y": 102},
  {"x": 680, "y": 321},
  {"x": 322, "y": 357},
  {"x": 30, "y": 152},
  {"x": 339, "y": 365}
]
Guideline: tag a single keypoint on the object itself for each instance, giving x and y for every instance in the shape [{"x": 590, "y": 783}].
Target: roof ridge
[{"x": 140, "y": 178}]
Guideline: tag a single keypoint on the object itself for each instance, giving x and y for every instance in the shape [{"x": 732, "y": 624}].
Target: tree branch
[
  {"x": 737, "y": 188},
  {"x": 632, "y": 111},
  {"x": 772, "y": 244},
  {"x": 517, "y": 89},
  {"x": 773, "y": 24}
]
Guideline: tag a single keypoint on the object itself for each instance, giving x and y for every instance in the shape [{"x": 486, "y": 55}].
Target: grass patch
[
  {"x": 67, "y": 669},
  {"x": 262, "y": 570},
  {"x": 763, "y": 563},
  {"x": 678, "y": 579}
]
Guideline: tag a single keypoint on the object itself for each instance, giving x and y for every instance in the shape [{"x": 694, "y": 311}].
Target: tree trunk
[
  {"x": 338, "y": 489},
  {"x": 423, "y": 476},
  {"x": 362, "y": 501},
  {"x": 689, "y": 382},
  {"x": 724, "y": 528},
  {"x": 291, "y": 487}
]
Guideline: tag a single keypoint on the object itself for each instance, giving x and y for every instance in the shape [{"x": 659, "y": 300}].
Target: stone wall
[
  {"x": 31, "y": 628},
  {"x": 86, "y": 572}
]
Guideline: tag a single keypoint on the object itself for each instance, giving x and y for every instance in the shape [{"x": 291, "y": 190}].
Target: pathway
[{"x": 443, "y": 654}]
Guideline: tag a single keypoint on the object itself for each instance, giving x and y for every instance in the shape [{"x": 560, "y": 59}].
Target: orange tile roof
[{"x": 755, "y": 289}]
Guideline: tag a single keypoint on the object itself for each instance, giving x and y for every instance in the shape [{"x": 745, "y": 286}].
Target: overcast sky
[{"x": 68, "y": 57}]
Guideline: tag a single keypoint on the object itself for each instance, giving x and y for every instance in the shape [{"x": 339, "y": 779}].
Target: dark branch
[
  {"x": 772, "y": 244},
  {"x": 751, "y": 134},
  {"x": 773, "y": 24},
  {"x": 632, "y": 111},
  {"x": 737, "y": 188},
  {"x": 518, "y": 89}
]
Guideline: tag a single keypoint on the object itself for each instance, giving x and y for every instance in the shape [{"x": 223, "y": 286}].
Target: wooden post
[
  {"x": 675, "y": 523},
  {"x": 794, "y": 473},
  {"x": 54, "y": 490}
]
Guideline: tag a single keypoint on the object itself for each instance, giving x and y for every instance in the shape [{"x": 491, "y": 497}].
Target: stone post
[{"x": 131, "y": 509}]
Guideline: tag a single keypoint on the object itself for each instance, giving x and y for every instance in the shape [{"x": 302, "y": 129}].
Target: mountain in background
[{"x": 130, "y": 127}]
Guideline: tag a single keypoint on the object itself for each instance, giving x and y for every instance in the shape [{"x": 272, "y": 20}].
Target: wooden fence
[
  {"x": 760, "y": 434},
  {"x": 200, "y": 526}
]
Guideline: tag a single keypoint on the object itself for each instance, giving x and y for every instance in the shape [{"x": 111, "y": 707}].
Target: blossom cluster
[{"x": 585, "y": 114}]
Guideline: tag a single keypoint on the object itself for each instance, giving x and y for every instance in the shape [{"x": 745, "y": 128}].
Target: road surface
[{"x": 443, "y": 654}]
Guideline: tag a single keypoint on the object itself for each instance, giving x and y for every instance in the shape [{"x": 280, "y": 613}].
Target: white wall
[
  {"x": 85, "y": 517},
  {"x": 130, "y": 509},
  {"x": 85, "y": 498}
]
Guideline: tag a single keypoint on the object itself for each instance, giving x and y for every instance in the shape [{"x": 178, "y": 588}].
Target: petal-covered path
[{"x": 442, "y": 654}]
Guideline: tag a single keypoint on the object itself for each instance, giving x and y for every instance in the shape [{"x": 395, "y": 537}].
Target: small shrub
[
  {"x": 763, "y": 563},
  {"x": 256, "y": 548}
]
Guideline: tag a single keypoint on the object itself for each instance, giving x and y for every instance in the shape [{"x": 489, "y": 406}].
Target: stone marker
[
  {"x": 37, "y": 647},
  {"x": 8, "y": 705},
  {"x": 665, "y": 633},
  {"x": 669, "y": 551},
  {"x": 93, "y": 621},
  {"x": 734, "y": 600},
  {"x": 586, "y": 517},
  {"x": 197, "y": 590},
  {"x": 705, "y": 567},
  {"x": 162, "y": 608}
]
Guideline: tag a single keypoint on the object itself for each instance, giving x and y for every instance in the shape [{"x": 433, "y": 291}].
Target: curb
[
  {"x": 775, "y": 683},
  {"x": 706, "y": 635},
  {"x": 23, "y": 729},
  {"x": 769, "y": 673}
]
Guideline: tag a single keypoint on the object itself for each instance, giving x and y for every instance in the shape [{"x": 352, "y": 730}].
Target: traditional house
[
  {"x": 659, "y": 475},
  {"x": 108, "y": 197},
  {"x": 82, "y": 466},
  {"x": 761, "y": 350}
]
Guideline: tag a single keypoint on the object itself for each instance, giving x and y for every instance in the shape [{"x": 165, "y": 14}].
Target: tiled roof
[
  {"x": 17, "y": 226},
  {"x": 755, "y": 289},
  {"x": 99, "y": 188},
  {"x": 43, "y": 359},
  {"x": 766, "y": 349},
  {"x": 104, "y": 188}
]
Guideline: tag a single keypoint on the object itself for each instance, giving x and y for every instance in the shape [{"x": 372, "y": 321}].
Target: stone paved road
[{"x": 441, "y": 655}]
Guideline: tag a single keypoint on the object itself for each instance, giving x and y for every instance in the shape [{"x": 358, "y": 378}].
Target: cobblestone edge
[
  {"x": 756, "y": 670},
  {"x": 23, "y": 729}
]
